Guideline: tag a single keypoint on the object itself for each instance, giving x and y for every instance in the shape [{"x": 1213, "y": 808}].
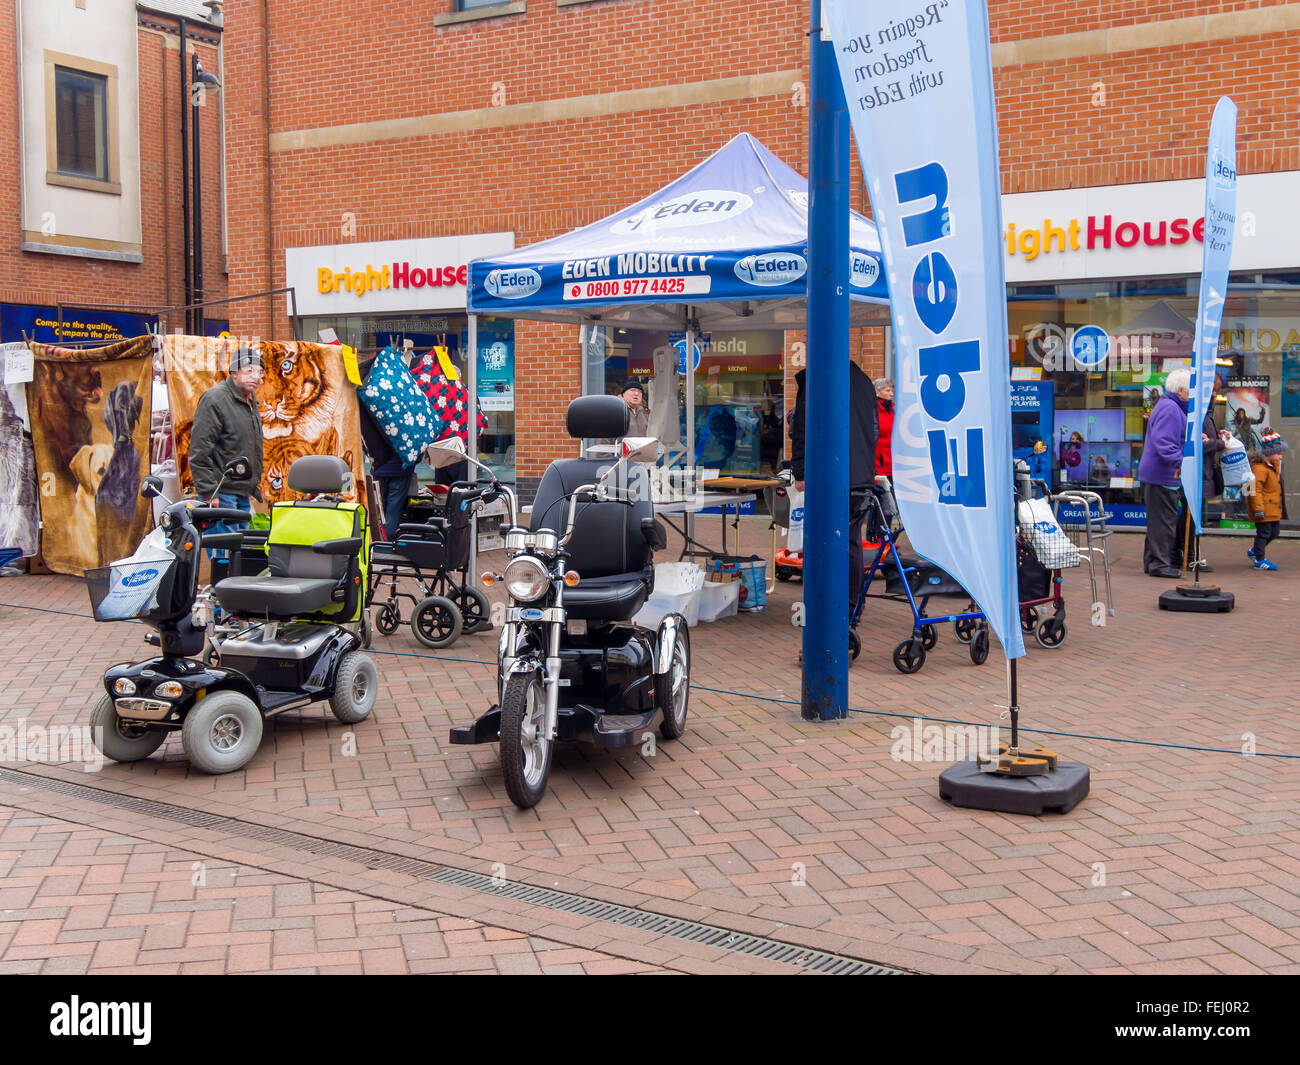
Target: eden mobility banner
[
  {"x": 918, "y": 79},
  {"x": 1220, "y": 223}
]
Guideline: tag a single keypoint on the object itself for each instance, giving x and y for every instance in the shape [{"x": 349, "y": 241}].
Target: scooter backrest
[
  {"x": 315, "y": 474},
  {"x": 607, "y": 537},
  {"x": 597, "y": 416}
]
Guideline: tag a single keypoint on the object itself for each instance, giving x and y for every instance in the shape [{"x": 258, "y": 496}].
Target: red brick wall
[
  {"x": 370, "y": 60},
  {"x": 33, "y": 277}
]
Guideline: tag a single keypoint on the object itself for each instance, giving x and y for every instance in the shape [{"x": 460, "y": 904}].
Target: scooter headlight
[
  {"x": 526, "y": 579},
  {"x": 124, "y": 686}
]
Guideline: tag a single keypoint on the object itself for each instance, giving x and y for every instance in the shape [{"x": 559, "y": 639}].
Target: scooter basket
[{"x": 125, "y": 591}]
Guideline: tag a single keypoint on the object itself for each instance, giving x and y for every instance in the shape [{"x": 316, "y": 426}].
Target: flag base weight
[
  {"x": 1197, "y": 599},
  {"x": 1057, "y": 790}
]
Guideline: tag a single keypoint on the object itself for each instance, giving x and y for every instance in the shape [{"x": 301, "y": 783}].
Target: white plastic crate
[
  {"x": 719, "y": 599},
  {"x": 678, "y": 588},
  {"x": 661, "y": 604}
]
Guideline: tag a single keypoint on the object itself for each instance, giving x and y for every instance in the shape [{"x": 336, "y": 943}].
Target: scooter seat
[
  {"x": 607, "y": 598},
  {"x": 279, "y": 597}
]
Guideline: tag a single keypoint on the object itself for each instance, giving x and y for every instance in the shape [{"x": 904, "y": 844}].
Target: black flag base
[
  {"x": 1056, "y": 790},
  {"x": 1197, "y": 599}
]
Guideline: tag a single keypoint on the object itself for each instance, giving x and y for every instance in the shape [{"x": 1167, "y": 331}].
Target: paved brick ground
[{"x": 1179, "y": 861}]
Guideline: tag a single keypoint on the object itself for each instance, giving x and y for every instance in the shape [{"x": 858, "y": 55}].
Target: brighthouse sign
[
  {"x": 394, "y": 275},
  {"x": 1149, "y": 229},
  {"x": 919, "y": 84}
]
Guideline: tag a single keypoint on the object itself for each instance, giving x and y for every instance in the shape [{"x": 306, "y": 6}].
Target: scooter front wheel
[
  {"x": 525, "y": 751},
  {"x": 222, "y": 732},
  {"x": 119, "y": 741}
]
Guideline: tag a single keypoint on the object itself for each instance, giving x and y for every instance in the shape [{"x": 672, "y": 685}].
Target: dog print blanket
[{"x": 89, "y": 410}]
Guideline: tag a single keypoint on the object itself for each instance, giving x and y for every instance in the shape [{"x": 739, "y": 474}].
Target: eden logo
[
  {"x": 144, "y": 576},
  {"x": 77, "y": 1018},
  {"x": 771, "y": 268},
  {"x": 513, "y": 283},
  {"x": 691, "y": 209},
  {"x": 864, "y": 270}
]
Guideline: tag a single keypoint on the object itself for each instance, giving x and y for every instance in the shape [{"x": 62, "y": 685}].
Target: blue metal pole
[{"x": 826, "y": 437}]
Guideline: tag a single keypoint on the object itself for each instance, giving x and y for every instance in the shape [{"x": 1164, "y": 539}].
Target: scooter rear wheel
[
  {"x": 222, "y": 732},
  {"x": 118, "y": 740},
  {"x": 356, "y": 686},
  {"x": 525, "y": 752},
  {"x": 674, "y": 688}
]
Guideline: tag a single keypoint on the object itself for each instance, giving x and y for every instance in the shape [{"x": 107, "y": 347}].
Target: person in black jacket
[
  {"x": 1212, "y": 443},
  {"x": 864, "y": 428}
]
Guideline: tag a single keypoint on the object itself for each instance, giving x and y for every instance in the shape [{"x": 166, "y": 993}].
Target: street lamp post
[{"x": 199, "y": 80}]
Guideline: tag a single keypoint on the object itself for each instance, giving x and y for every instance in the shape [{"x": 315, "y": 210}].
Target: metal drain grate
[{"x": 817, "y": 961}]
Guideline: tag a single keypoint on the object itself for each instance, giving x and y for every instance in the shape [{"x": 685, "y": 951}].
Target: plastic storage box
[
  {"x": 719, "y": 599},
  {"x": 678, "y": 588}
]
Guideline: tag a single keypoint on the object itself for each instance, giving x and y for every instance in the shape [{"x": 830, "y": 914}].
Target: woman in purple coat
[{"x": 1162, "y": 460}]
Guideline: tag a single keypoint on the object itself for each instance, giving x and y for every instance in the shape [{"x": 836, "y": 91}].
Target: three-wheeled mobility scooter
[
  {"x": 571, "y": 663},
  {"x": 298, "y": 642}
]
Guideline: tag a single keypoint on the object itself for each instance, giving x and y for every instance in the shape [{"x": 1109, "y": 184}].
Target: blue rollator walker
[{"x": 912, "y": 581}]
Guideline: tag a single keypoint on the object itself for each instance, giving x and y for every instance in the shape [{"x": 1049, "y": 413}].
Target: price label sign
[{"x": 19, "y": 365}]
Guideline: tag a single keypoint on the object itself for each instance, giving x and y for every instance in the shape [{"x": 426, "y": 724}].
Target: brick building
[
  {"x": 455, "y": 126},
  {"x": 91, "y": 158}
]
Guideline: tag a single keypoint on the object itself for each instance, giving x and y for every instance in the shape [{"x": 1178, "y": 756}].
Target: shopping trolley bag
[{"x": 1039, "y": 528}]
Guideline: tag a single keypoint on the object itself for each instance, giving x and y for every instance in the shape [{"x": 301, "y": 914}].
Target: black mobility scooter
[
  {"x": 297, "y": 642},
  {"x": 571, "y": 663}
]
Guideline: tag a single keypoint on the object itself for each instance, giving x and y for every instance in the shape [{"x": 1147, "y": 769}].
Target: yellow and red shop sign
[
  {"x": 1147, "y": 229},
  {"x": 400, "y": 275},
  {"x": 1100, "y": 232},
  {"x": 424, "y": 273}
]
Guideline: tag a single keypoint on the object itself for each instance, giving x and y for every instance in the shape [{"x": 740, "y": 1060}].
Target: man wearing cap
[
  {"x": 227, "y": 426},
  {"x": 639, "y": 421}
]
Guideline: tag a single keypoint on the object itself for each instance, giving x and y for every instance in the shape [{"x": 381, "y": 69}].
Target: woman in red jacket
[{"x": 884, "y": 445}]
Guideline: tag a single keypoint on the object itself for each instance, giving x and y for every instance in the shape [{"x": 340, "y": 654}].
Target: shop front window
[
  {"x": 1089, "y": 362},
  {"x": 495, "y": 370},
  {"x": 739, "y": 386}
]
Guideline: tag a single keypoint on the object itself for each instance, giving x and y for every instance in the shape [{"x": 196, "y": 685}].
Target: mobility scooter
[
  {"x": 298, "y": 643},
  {"x": 571, "y": 663}
]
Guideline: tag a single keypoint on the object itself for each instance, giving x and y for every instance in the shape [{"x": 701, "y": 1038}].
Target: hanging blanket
[
  {"x": 401, "y": 409},
  {"x": 308, "y": 406},
  {"x": 19, "y": 519},
  {"x": 450, "y": 399},
  {"x": 89, "y": 411}
]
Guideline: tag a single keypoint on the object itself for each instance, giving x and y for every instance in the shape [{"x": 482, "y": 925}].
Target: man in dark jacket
[
  {"x": 227, "y": 426},
  {"x": 864, "y": 429},
  {"x": 1162, "y": 459},
  {"x": 1212, "y": 442}
]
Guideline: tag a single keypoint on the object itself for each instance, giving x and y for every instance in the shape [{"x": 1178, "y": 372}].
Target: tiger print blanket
[
  {"x": 89, "y": 410},
  {"x": 308, "y": 406}
]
